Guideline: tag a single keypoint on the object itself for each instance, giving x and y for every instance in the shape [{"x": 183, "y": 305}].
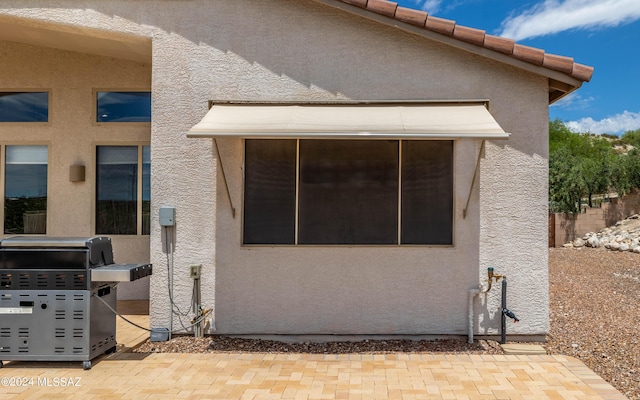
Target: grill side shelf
[{"x": 120, "y": 272}]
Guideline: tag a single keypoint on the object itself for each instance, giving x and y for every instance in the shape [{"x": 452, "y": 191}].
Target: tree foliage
[
  {"x": 632, "y": 138},
  {"x": 583, "y": 165}
]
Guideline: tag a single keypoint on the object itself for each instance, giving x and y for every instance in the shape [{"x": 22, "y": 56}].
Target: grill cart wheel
[{"x": 86, "y": 365}]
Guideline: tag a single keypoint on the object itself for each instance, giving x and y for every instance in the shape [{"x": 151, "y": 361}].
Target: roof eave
[{"x": 560, "y": 84}]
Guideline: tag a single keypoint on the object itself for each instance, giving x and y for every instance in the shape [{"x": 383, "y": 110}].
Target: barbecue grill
[{"x": 54, "y": 294}]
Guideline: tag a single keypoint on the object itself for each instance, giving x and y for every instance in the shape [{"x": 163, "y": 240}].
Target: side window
[
  {"x": 25, "y": 189},
  {"x": 24, "y": 106},
  {"x": 123, "y": 190},
  {"x": 123, "y": 107},
  {"x": 270, "y": 192},
  {"x": 427, "y": 192}
]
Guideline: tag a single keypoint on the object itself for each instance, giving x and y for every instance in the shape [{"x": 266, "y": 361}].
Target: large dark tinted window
[
  {"x": 117, "y": 205},
  {"x": 349, "y": 192},
  {"x": 25, "y": 191},
  {"x": 24, "y": 106},
  {"x": 270, "y": 192},
  {"x": 123, "y": 107}
]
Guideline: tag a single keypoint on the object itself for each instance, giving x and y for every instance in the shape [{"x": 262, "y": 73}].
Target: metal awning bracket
[
  {"x": 473, "y": 181},
  {"x": 224, "y": 178}
]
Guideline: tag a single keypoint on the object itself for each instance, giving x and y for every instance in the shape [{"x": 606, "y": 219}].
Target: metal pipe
[
  {"x": 197, "y": 307},
  {"x": 503, "y": 320},
  {"x": 170, "y": 276}
]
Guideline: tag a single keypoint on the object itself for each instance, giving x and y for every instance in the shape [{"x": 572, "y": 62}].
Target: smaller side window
[
  {"x": 123, "y": 190},
  {"x": 123, "y": 107},
  {"x": 117, "y": 193},
  {"x": 24, "y": 107},
  {"x": 25, "y": 190}
]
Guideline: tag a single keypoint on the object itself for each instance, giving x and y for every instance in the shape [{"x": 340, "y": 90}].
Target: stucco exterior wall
[
  {"x": 71, "y": 135},
  {"x": 303, "y": 51},
  {"x": 514, "y": 226}
]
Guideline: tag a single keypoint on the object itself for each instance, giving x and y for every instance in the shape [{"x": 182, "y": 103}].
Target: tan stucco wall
[
  {"x": 72, "y": 136},
  {"x": 302, "y": 51}
]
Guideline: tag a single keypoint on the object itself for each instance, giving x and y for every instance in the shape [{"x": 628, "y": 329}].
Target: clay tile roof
[
  {"x": 497, "y": 43},
  {"x": 477, "y": 37},
  {"x": 531, "y": 55},
  {"x": 411, "y": 16},
  {"x": 444, "y": 26}
]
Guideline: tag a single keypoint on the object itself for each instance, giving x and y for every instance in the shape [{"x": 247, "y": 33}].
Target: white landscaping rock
[
  {"x": 624, "y": 236},
  {"x": 593, "y": 241}
]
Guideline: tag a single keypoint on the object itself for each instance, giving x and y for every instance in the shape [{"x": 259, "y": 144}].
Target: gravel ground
[
  {"x": 595, "y": 313},
  {"x": 221, "y": 344},
  {"x": 594, "y": 317}
]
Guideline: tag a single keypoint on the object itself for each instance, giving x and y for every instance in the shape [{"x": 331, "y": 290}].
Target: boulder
[{"x": 593, "y": 241}]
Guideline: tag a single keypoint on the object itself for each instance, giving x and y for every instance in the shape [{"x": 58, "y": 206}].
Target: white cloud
[
  {"x": 619, "y": 123},
  {"x": 553, "y": 16},
  {"x": 430, "y": 6},
  {"x": 573, "y": 102}
]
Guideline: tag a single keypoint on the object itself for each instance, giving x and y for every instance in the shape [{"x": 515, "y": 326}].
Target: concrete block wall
[{"x": 565, "y": 228}]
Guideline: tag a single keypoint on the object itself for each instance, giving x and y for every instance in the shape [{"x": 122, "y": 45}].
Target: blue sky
[{"x": 604, "y": 34}]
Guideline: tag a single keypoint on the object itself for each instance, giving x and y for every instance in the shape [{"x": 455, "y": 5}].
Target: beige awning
[{"x": 349, "y": 121}]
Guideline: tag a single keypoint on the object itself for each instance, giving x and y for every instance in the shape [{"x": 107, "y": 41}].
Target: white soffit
[{"x": 349, "y": 121}]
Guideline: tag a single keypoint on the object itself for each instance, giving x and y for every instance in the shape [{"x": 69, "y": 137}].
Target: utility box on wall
[{"x": 167, "y": 216}]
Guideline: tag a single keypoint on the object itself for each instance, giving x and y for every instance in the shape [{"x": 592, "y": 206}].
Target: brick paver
[{"x": 304, "y": 376}]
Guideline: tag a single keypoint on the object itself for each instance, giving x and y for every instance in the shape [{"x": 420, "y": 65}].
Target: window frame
[
  {"x": 31, "y": 124},
  {"x": 399, "y": 208},
  {"x": 3, "y": 146},
  {"x": 139, "y": 187},
  {"x": 94, "y": 107}
]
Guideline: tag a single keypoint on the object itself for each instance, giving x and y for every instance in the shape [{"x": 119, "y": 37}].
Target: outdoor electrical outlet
[{"x": 194, "y": 271}]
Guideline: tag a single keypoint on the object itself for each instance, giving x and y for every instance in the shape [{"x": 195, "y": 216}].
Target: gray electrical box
[{"x": 167, "y": 216}]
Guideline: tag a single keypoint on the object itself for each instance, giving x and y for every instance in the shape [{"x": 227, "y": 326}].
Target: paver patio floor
[{"x": 301, "y": 376}]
